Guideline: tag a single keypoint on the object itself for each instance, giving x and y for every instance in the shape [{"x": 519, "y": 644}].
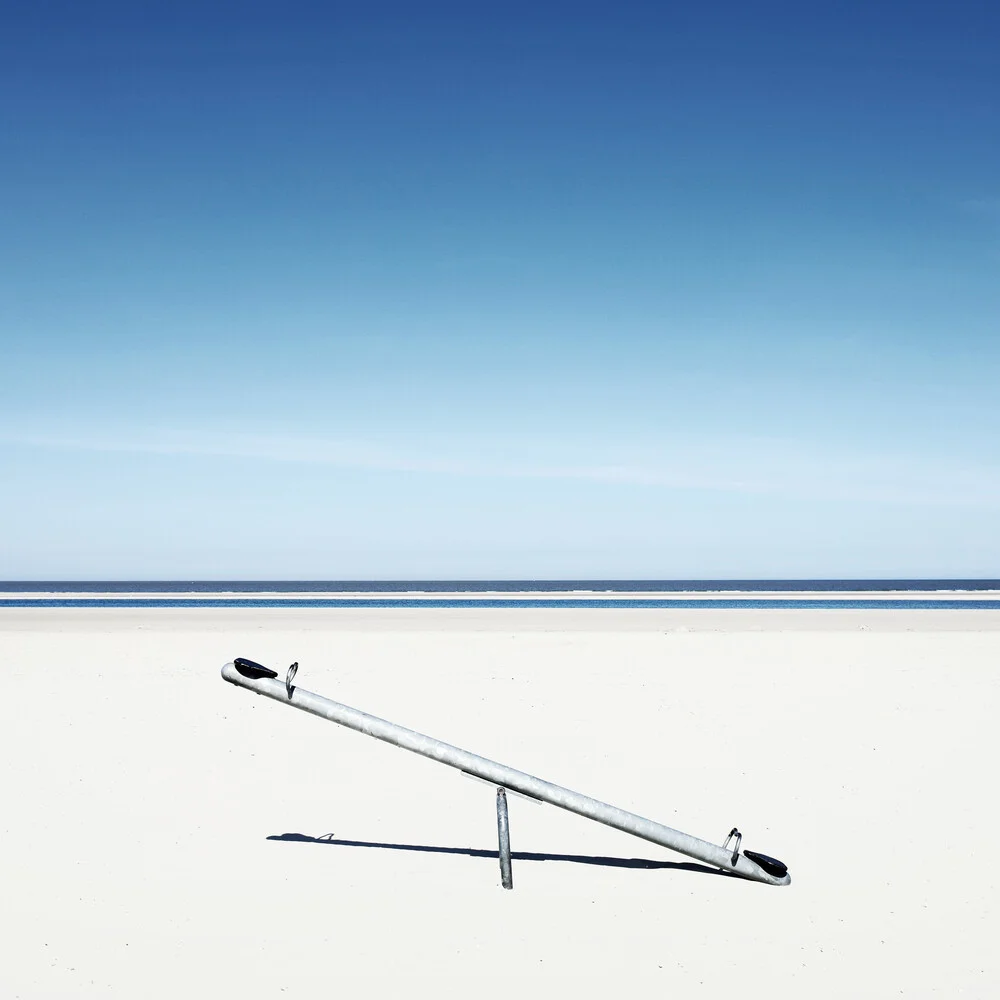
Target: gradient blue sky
[{"x": 511, "y": 290}]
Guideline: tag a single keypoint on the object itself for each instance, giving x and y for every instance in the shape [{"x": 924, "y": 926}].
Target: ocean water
[
  {"x": 907, "y": 594},
  {"x": 482, "y": 586},
  {"x": 354, "y": 602}
]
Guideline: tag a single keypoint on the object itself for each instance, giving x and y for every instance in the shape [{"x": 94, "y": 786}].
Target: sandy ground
[{"x": 139, "y": 793}]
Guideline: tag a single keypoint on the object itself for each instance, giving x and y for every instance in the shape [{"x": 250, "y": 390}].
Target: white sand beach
[{"x": 142, "y": 797}]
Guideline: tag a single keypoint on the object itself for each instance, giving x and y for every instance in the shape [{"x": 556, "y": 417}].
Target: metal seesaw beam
[{"x": 265, "y": 682}]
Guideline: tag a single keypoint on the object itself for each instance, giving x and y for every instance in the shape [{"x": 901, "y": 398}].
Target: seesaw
[{"x": 747, "y": 864}]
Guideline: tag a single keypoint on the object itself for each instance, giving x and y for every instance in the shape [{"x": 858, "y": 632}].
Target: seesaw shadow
[{"x": 474, "y": 852}]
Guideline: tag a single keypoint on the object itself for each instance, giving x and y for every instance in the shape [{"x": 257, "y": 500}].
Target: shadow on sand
[{"x": 473, "y": 852}]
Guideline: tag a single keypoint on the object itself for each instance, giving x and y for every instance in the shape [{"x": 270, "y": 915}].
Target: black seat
[
  {"x": 250, "y": 669},
  {"x": 771, "y": 865}
]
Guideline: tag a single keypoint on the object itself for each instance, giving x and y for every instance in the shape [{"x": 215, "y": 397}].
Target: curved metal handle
[{"x": 739, "y": 840}]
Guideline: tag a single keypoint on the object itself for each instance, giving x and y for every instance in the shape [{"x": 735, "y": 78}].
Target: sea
[{"x": 975, "y": 594}]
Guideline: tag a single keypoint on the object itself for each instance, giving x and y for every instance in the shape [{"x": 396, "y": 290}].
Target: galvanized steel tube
[
  {"x": 503, "y": 838},
  {"x": 500, "y": 774}
]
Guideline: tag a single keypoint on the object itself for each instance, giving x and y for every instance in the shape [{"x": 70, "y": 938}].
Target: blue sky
[{"x": 522, "y": 290}]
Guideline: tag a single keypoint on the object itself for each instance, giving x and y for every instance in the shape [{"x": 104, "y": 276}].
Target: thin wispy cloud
[{"x": 729, "y": 465}]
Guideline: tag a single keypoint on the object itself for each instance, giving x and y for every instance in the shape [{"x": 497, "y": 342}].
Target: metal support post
[{"x": 503, "y": 834}]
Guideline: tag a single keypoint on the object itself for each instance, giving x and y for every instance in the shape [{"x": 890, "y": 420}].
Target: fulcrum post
[{"x": 503, "y": 834}]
